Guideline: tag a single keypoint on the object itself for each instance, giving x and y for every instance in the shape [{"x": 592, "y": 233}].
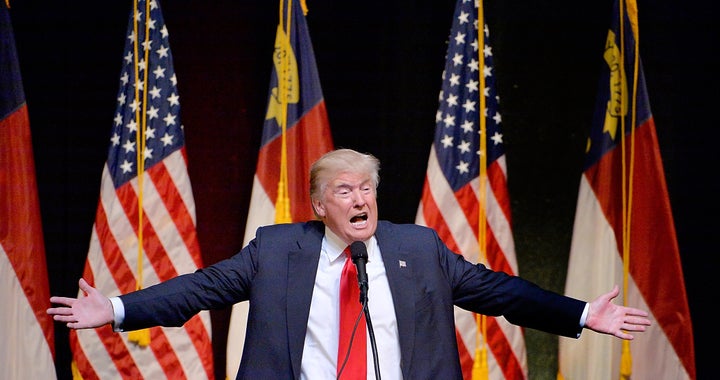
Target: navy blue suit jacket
[{"x": 276, "y": 273}]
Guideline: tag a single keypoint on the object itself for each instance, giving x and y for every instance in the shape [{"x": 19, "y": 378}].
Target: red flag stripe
[
  {"x": 433, "y": 217},
  {"x": 151, "y": 247},
  {"x": 201, "y": 338},
  {"x": 497, "y": 181},
  {"x": 160, "y": 346},
  {"x": 80, "y": 359},
  {"x": 113, "y": 257},
  {"x": 166, "y": 184},
  {"x": 466, "y": 358}
]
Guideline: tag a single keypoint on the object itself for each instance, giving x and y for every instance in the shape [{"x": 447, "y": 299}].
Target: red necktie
[{"x": 350, "y": 308}]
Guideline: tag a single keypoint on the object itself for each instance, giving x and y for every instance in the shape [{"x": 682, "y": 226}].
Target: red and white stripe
[
  {"x": 170, "y": 248},
  {"x": 455, "y": 216}
]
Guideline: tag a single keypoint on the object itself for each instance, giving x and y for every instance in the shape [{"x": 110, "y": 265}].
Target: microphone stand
[
  {"x": 373, "y": 344},
  {"x": 371, "y": 332}
]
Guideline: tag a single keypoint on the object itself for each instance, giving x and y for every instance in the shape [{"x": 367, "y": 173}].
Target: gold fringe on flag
[
  {"x": 480, "y": 365},
  {"x": 625, "y": 361},
  {"x": 75, "y": 371}
]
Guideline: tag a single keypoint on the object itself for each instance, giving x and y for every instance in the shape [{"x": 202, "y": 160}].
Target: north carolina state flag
[
  {"x": 26, "y": 330},
  {"x": 281, "y": 188},
  {"x": 623, "y": 209}
]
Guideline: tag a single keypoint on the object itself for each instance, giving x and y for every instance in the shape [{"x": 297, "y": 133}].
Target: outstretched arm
[
  {"x": 608, "y": 318},
  {"x": 93, "y": 310}
]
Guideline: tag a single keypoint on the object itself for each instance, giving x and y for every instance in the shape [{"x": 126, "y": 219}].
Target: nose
[{"x": 358, "y": 198}]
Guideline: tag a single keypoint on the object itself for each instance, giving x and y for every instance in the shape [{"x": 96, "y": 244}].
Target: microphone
[{"x": 359, "y": 257}]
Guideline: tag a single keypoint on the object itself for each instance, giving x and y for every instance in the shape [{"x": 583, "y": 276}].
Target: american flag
[
  {"x": 623, "y": 210},
  {"x": 307, "y": 137},
  {"x": 28, "y": 341},
  {"x": 451, "y": 192},
  {"x": 145, "y": 198}
]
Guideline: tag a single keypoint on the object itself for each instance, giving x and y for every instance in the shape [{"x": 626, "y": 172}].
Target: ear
[{"x": 319, "y": 208}]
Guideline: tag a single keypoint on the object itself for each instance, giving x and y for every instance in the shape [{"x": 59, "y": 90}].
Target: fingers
[
  {"x": 629, "y": 327},
  {"x": 636, "y": 316},
  {"x": 634, "y": 321},
  {"x": 639, "y": 322},
  {"x": 84, "y": 286},
  {"x": 636, "y": 312},
  {"x": 60, "y": 311},
  {"x": 67, "y": 301},
  {"x": 64, "y": 318}
]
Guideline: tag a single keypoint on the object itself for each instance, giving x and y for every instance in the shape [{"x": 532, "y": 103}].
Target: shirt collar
[{"x": 334, "y": 246}]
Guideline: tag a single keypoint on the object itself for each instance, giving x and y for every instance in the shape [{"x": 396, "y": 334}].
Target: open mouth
[{"x": 360, "y": 218}]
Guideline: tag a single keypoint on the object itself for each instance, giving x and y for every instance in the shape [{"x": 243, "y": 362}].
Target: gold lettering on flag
[
  {"x": 288, "y": 72},
  {"x": 617, "y": 104}
]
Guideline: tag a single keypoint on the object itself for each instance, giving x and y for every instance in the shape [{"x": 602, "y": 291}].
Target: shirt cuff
[
  {"x": 118, "y": 313},
  {"x": 583, "y": 318}
]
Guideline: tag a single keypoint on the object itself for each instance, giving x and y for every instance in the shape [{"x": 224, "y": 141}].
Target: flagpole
[
  {"x": 480, "y": 364},
  {"x": 631, "y": 8},
  {"x": 282, "y": 203},
  {"x": 141, "y": 337}
]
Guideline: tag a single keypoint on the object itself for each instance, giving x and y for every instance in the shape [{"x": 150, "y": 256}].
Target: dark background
[{"x": 380, "y": 64}]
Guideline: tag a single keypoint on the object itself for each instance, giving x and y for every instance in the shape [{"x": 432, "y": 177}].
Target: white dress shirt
[{"x": 319, "y": 359}]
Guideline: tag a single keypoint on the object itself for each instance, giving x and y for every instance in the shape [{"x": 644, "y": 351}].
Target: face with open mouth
[{"x": 348, "y": 206}]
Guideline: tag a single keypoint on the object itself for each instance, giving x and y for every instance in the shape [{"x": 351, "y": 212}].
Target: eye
[{"x": 342, "y": 192}]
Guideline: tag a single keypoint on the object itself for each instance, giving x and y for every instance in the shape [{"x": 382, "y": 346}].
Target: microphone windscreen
[{"x": 358, "y": 251}]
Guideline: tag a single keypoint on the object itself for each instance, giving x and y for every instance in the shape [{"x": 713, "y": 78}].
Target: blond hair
[{"x": 338, "y": 161}]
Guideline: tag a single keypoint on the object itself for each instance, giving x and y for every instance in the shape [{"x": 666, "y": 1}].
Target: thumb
[{"x": 85, "y": 287}]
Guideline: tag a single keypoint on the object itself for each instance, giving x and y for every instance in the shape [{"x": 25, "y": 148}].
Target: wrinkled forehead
[{"x": 346, "y": 178}]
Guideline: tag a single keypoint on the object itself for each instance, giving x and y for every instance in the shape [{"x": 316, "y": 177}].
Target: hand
[
  {"x": 93, "y": 310},
  {"x": 607, "y": 318}
]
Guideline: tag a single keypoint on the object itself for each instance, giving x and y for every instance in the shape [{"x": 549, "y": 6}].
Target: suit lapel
[
  {"x": 399, "y": 269},
  {"x": 302, "y": 268}
]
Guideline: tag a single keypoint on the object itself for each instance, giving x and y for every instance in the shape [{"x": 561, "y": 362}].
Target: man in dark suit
[{"x": 290, "y": 273}]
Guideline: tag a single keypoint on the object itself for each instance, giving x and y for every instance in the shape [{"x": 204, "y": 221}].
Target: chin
[{"x": 364, "y": 235}]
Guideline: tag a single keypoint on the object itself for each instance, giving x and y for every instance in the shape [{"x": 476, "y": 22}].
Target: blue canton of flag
[
  {"x": 156, "y": 85},
  {"x": 457, "y": 136}
]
